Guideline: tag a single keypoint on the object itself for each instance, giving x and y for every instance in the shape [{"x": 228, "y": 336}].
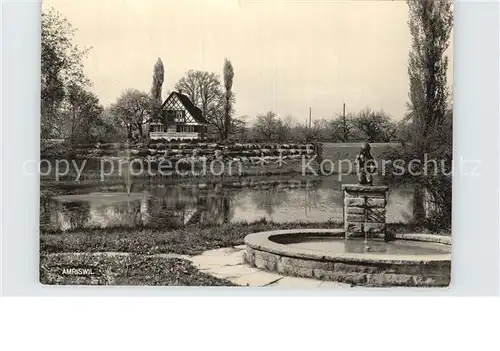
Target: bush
[
  {"x": 433, "y": 180},
  {"x": 143, "y": 152}
]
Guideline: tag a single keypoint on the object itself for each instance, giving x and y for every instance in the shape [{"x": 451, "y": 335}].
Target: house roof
[{"x": 189, "y": 106}]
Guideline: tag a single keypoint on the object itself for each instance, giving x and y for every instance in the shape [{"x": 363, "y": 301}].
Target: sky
[{"x": 287, "y": 56}]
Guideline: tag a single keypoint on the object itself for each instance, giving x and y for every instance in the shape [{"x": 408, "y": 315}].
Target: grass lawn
[
  {"x": 343, "y": 152},
  {"x": 123, "y": 256},
  {"x": 123, "y": 270},
  {"x": 189, "y": 240}
]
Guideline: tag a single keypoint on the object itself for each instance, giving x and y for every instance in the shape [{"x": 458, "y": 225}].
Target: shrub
[
  {"x": 143, "y": 152},
  {"x": 433, "y": 180}
]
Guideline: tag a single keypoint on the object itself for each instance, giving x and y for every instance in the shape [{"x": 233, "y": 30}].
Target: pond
[{"x": 160, "y": 205}]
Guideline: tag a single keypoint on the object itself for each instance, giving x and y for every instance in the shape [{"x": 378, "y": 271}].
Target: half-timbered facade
[{"x": 180, "y": 119}]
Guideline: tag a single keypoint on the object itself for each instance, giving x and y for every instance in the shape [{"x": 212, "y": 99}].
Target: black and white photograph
[{"x": 282, "y": 144}]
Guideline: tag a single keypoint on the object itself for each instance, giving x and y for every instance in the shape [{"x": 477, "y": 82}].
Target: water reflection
[{"x": 166, "y": 205}]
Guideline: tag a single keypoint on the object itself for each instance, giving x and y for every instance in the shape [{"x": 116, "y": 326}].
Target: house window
[
  {"x": 179, "y": 116},
  {"x": 170, "y": 116},
  {"x": 186, "y": 128}
]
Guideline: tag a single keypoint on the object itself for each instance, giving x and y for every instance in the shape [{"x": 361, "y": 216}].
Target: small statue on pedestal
[{"x": 366, "y": 166}]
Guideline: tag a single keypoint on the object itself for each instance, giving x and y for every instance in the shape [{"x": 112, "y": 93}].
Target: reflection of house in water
[
  {"x": 268, "y": 200},
  {"x": 206, "y": 210},
  {"x": 189, "y": 205},
  {"x": 176, "y": 205}
]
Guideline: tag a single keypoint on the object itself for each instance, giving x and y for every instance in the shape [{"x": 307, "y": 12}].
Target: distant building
[{"x": 180, "y": 119}]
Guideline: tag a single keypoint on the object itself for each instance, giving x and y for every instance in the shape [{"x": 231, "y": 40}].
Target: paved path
[{"x": 228, "y": 263}]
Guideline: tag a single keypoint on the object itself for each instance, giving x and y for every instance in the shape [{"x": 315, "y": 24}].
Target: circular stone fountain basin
[{"x": 409, "y": 260}]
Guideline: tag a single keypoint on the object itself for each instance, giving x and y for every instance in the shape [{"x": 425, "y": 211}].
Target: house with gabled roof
[{"x": 179, "y": 119}]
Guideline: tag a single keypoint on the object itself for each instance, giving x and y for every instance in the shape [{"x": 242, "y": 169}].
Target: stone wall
[
  {"x": 267, "y": 251},
  {"x": 366, "y": 272},
  {"x": 364, "y": 210}
]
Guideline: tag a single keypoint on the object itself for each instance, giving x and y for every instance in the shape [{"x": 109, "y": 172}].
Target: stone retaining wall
[
  {"x": 356, "y": 272},
  {"x": 264, "y": 251}
]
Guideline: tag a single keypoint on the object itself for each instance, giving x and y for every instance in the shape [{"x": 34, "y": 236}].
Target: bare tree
[
  {"x": 133, "y": 108},
  {"x": 204, "y": 90},
  {"x": 266, "y": 125}
]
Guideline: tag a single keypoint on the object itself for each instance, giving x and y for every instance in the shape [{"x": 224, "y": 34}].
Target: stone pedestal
[{"x": 364, "y": 210}]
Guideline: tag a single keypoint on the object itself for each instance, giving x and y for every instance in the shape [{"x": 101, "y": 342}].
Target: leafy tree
[
  {"x": 133, "y": 108},
  {"x": 109, "y": 128},
  {"x": 284, "y": 128},
  {"x": 430, "y": 114},
  {"x": 156, "y": 87},
  {"x": 238, "y": 130},
  {"x": 61, "y": 66},
  {"x": 342, "y": 129},
  {"x": 228, "y": 98},
  {"x": 430, "y": 25},
  {"x": 404, "y": 130},
  {"x": 375, "y": 126},
  {"x": 301, "y": 132},
  {"x": 83, "y": 112}
]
